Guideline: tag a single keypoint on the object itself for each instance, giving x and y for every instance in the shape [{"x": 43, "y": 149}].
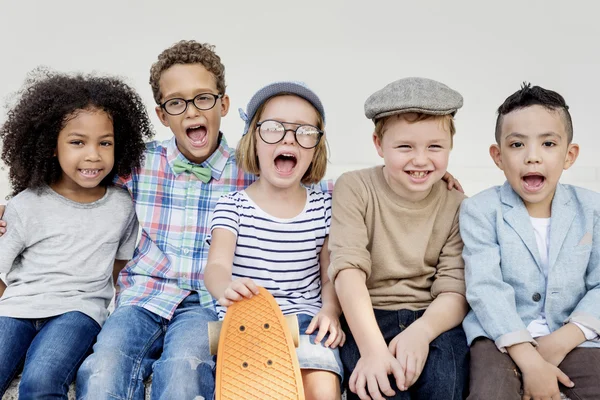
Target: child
[
  {"x": 274, "y": 233},
  {"x": 70, "y": 231},
  {"x": 160, "y": 323},
  {"x": 396, "y": 252},
  {"x": 532, "y": 259}
]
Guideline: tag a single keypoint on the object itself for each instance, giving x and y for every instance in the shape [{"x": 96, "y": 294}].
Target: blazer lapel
[
  {"x": 561, "y": 220},
  {"x": 515, "y": 214}
]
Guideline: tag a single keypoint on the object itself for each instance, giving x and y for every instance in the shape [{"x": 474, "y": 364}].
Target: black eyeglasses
[
  {"x": 203, "y": 101},
  {"x": 271, "y": 132}
]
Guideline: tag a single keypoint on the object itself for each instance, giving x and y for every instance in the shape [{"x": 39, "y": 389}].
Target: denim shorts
[{"x": 316, "y": 356}]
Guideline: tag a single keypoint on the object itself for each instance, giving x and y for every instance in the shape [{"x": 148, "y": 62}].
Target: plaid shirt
[{"x": 174, "y": 211}]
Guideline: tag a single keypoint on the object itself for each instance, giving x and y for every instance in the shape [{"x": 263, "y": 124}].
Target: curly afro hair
[
  {"x": 47, "y": 101},
  {"x": 187, "y": 52}
]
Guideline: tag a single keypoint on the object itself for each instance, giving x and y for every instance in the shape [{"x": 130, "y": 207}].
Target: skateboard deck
[{"x": 256, "y": 357}]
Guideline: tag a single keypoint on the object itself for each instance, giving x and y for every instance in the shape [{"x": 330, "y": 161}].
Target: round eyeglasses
[
  {"x": 202, "y": 101},
  {"x": 271, "y": 132}
]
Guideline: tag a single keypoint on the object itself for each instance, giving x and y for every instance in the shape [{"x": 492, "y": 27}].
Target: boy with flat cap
[{"x": 396, "y": 252}]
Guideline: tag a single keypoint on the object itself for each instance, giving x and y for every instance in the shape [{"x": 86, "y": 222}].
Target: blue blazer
[{"x": 506, "y": 287}]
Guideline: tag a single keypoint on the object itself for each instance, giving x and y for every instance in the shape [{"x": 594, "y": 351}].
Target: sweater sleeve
[
  {"x": 348, "y": 238},
  {"x": 450, "y": 275}
]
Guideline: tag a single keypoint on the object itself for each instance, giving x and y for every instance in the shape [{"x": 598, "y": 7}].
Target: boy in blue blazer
[{"x": 532, "y": 262}]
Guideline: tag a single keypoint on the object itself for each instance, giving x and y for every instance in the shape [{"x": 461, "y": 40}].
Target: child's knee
[
  {"x": 328, "y": 392},
  {"x": 37, "y": 381},
  {"x": 321, "y": 385}
]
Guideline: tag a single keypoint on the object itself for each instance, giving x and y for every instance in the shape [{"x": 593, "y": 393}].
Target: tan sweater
[{"x": 411, "y": 252}]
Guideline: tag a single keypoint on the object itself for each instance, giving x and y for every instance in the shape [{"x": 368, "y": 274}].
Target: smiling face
[
  {"x": 283, "y": 164},
  {"x": 415, "y": 154},
  {"x": 196, "y": 131},
  {"x": 85, "y": 152},
  {"x": 533, "y": 152}
]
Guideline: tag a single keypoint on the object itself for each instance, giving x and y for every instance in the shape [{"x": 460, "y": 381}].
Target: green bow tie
[{"x": 202, "y": 173}]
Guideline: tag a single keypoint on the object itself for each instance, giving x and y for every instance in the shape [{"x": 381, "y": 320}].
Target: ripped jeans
[{"x": 135, "y": 342}]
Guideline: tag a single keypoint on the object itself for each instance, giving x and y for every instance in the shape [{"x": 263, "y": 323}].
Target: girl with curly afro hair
[{"x": 70, "y": 230}]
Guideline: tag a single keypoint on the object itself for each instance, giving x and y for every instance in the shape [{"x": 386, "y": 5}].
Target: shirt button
[
  {"x": 186, "y": 251},
  {"x": 536, "y": 297}
]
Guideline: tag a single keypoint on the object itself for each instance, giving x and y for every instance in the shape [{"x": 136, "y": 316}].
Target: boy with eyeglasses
[{"x": 160, "y": 322}]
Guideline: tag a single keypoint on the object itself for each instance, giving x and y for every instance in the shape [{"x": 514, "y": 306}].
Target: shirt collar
[{"x": 216, "y": 162}]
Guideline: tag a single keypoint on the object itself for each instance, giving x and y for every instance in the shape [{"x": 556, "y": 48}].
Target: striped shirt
[
  {"x": 282, "y": 255},
  {"x": 174, "y": 211}
]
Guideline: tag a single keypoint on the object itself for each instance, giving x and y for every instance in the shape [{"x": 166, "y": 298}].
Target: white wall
[{"x": 344, "y": 50}]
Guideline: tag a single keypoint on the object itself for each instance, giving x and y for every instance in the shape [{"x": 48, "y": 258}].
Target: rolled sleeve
[
  {"x": 512, "y": 338},
  {"x": 491, "y": 299},
  {"x": 588, "y": 333},
  {"x": 348, "y": 239}
]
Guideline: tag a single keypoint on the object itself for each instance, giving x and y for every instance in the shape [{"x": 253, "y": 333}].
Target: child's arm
[
  {"x": 349, "y": 270},
  {"x": 13, "y": 242},
  {"x": 217, "y": 274},
  {"x": 2, "y": 222},
  {"x": 376, "y": 361},
  {"x": 328, "y": 318},
  {"x": 118, "y": 266},
  {"x": 224, "y": 228},
  {"x": 492, "y": 299},
  {"x": 446, "y": 311},
  {"x": 2, "y": 287},
  {"x": 584, "y": 323},
  {"x": 411, "y": 346},
  {"x": 539, "y": 377}
]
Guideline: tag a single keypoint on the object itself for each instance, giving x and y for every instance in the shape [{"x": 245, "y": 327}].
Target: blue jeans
[
  {"x": 445, "y": 375},
  {"x": 49, "y": 349},
  {"x": 135, "y": 342}
]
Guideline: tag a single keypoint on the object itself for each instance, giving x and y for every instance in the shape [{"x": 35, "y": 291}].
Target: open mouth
[
  {"x": 533, "y": 182},
  {"x": 198, "y": 134},
  {"x": 90, "y": 173},
  {"x": 418, "y": 175},
  {"x": 285, "y": 163}
]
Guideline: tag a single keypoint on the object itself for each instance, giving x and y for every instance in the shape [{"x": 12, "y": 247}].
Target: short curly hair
[
  {"x": 46, "y": 102},
  {"x": 187, "y": 52}
]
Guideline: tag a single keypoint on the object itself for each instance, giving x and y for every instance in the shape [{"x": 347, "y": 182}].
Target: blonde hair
[
  {"x": 447, "y": 122},
  {"x": 247, "y": 159}
]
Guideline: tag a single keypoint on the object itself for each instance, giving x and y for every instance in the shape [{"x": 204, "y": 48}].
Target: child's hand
[
  {"x": 371, "y": 374},
  {"x": 411, "y": 349},
  {"x": 2, "y": 223},
  {"x": 453, "y": 183},
  {"x": 540, "y": 380},
  {"x": 237, "y": 290},
  {"x": 550, "y": 350},
  {"x": 327, "y": 321}
]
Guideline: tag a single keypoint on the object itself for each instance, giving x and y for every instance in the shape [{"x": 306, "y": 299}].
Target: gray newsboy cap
[
  {"x": 420, "y": 95},
  {"x": 298, "y": 88}
]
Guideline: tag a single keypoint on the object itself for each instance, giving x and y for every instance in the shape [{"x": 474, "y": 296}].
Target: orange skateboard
[{"x": 255, "y": 349}]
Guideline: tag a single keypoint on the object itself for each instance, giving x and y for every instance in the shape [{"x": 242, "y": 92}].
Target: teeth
[
  {"x": 195, "y": 127},
  {"x": 90, "y": 171},
  {"x": 287, "y": 155},
  {"x": 418, "y": 174}
]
